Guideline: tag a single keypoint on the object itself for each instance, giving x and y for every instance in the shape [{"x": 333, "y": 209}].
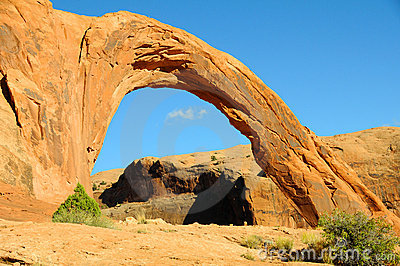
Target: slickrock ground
[
  {"x": 17, "y": 205},
  {"x": 141, "y": 244}
]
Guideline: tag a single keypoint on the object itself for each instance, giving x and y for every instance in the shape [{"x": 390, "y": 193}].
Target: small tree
[{"x": 79, "y": 202}]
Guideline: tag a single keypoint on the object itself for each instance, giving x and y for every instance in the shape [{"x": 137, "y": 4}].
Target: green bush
[
  {"x": 213, "y": 158},
  {"x": 79, "y": 201},
  {"x": 80, "y": 208},
  {"x": 349, "y": 235},
  {"x": 252, "y": 241}
]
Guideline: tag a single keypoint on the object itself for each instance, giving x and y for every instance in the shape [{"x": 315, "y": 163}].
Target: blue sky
[{"x": 336, "y": 64}]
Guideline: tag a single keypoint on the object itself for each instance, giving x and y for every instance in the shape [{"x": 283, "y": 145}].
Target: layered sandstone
[
  {"x": 221, "y": 187},
  {"x": 373, "y": 153},
  {"x": 64, "y": 75}
]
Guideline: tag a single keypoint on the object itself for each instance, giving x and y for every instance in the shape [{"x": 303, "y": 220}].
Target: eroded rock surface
[
  {"x": 221, "y": 187},
  {"x": 64, "y": 75},
  {"x": 373, "y": 153},
  {"x": 149, "y": 244}
]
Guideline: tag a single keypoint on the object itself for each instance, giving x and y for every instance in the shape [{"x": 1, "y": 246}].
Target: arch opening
[{"x": 175, "y": 154}]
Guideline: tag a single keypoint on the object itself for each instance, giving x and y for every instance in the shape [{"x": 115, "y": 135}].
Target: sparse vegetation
[
  {"x": 82, "y": 217},
  {"x": 94, "y": 187},
  {"x": 170, "y": 230},
  {"x": 103, "y": 183},
  {"x": 284, "y": 243},
  {"x": 351, "y": 235},
  {"x": 141, "y": 231},
  {"x": 310, "y": 238},
  {"x": 141, "y": 217},
  {"x": 213, "y": 158},
  {"x": 252, "y": 241},
  {"x": 317, "y": 243},
  {"x": 247, "y": 256},
  {"x": 82, "y": 209},
  {"x": 347, "y": 239}
]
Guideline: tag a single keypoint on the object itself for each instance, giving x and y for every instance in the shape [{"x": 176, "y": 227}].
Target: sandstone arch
[{"x": 63, "y": 77}]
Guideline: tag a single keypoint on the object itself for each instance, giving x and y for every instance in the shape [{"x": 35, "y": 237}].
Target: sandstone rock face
[
  {"x": 221, "y": 187},
  {"x": 375, "y": 155},
  {"x": 63, "y": 77}
]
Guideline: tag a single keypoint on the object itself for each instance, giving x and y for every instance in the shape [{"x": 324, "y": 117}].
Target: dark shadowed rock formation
[
  {"x": 64, "y": 75},
  {"x": 221, "y": 187}
]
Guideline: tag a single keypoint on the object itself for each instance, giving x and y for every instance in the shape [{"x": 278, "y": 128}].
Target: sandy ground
[{"x": 133, "y": 244}]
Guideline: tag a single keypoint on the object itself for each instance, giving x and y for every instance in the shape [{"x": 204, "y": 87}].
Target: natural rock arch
[{"x": 63, "y": 77}]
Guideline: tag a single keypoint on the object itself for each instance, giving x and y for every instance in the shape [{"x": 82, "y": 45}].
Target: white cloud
[
  {"x": 201, "y": 113},
  {"x": 188, "y": 113}
]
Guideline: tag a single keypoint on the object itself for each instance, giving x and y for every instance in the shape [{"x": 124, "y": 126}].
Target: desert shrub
[
  {"x": 248, "y": 256},
  {"x": 82, "y": 217},
  {"x": 252, "y": 241},
  {"x": 102, "y": 183},
  {"x": 213, "y": 158},
  {"x": 314, "y": 241},
  {"x": 141, "y": 217},
  {"x": 359, "y": 240},
  {"x": 283, "y": 243},
  {"x": 94, "y": 187},
  {"x": 310, "y": 238},
  {"x": 315, "y": 246},
  {"x": 80, "y": 208}
]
